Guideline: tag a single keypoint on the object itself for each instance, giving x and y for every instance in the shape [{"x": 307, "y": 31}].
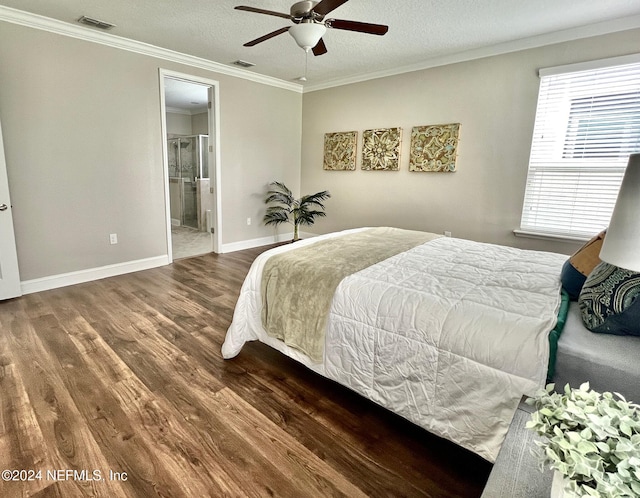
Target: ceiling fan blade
[
  {"x": 326, "y": 6},
  {"x": 263, "y": 11},
  {"x": 320, "y": 48},
  {"x": 361, "y": 27},
  {"x": 266, "y": 37}
]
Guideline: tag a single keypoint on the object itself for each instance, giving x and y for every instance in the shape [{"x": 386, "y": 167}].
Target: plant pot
[{"x": 557, "y": 487}]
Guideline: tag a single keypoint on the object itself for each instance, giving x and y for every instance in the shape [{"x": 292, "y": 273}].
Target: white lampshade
[
  {"x": 307, "y": 34},
  {"x": 621, "y": 245}
]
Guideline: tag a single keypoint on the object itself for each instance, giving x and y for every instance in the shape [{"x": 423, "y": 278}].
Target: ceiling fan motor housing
[{"x": 302, "y": 11}]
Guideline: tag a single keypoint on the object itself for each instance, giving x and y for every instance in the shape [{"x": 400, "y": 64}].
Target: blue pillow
[
  {"x": 581, "y": 263},
  {"x": 572, "y": 280},
  {"x": 610, "y": 300}
]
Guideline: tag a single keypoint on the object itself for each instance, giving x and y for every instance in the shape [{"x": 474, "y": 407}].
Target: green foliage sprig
[{"x": 591, "y": 438}]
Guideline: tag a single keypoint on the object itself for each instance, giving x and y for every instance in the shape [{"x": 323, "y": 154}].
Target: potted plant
[
  {"x": 591, "y": 441},
  {"x": 286, "y": 209}
]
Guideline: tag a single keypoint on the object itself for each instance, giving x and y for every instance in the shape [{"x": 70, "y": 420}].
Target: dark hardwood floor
[{"x": 122, "y": 381}]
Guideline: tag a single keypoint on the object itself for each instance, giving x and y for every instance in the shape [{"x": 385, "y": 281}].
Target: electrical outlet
[
  {"x": 113, "y": 238},
  {"x": 248, "y": 221},
  {"x": 447, "y": 234}
]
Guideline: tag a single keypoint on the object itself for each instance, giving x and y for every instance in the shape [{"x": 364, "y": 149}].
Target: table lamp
[
  {"x": 621, "y": 245},
  {"x": 610, "y": 297}
]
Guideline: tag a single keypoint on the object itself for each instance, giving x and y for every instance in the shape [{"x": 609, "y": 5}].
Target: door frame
[
  {"x": 214, "y": 140},
  {"x": 10, "y": 285}
]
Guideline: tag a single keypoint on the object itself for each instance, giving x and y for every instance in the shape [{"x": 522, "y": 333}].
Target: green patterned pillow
[{"x": 610, "y": 300}]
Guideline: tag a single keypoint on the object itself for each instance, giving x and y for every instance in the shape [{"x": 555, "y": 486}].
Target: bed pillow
[
  {"x": 610, "y": 300},
  {"x": 580, "y": 264}
]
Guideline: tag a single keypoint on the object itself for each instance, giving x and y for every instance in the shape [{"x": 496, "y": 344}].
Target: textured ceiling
[
  {"x": 186, "y": 96},
  {"x": 419, "y": 30}
]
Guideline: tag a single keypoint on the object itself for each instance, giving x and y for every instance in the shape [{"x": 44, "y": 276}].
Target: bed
[{"x": 448, "y": 333}]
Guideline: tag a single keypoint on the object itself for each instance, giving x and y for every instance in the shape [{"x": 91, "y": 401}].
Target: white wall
[
  {"x": 83, "y": 146},
  {"x": 187, "y": 124},
  {"x": 199, "y": 123},
  {"x": 493, "y": 98},
  {"x": 178, "y": 124}
]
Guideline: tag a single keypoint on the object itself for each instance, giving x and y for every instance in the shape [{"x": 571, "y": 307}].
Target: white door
[{"x": 9, "y": 275}]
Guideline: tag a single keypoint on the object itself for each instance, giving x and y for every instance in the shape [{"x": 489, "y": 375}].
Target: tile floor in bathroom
[{"x": 187, "y": 242}]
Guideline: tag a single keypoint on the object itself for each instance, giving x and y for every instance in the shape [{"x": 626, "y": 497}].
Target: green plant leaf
[
  {"x": 586, "y": 447},
  {"x": 552, "y": 455},
  {"x": 624, "y": 473},
  {"x": 586, "y": 433},
  {"x": 591, "y": 492},
  {"x": 582, "y": 469},
  {"x": 574, "y": 437},
  {"x": 287, "y": 209},
  {"x": 625, "y": 428},
  {"x": 634, "y": 461}
]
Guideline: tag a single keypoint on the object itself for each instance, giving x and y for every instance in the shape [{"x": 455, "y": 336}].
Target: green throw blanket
[{"x": 298, "y": 286}]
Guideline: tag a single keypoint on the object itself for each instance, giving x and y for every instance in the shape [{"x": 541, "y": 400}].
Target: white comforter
[{"x": 449, "y": 334}]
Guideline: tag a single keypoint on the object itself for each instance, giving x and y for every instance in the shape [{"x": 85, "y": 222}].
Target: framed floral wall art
[
  {"x": 434, "y": 148},
  {"x": 381, "y": 149},
  {"x": 340, "y": 151}
]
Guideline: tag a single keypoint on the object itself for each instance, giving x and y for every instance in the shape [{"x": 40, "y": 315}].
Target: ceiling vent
[
  {"x": 243, "y": 63},
  {"x": 95, "y": 23}
]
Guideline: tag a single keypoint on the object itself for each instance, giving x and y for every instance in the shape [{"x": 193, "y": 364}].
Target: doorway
[{"x": 191, "y": 157}]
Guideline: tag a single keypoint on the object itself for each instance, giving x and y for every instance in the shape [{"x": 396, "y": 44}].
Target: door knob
[{"x": 3, "y": 207}]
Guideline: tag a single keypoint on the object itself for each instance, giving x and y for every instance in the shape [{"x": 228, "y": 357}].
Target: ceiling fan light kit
[
  {"x": 307, "y": 34},
  {"x": 310, "y": 25}
]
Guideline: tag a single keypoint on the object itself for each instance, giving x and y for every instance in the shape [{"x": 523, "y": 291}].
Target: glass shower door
[
  {"x": 188, "y": 164},
  {"x": 175, "y": 181},
  {"x": 188, "y": 175}
]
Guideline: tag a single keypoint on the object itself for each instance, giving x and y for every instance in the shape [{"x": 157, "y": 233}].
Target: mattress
[{"x": 607, "y": 362}]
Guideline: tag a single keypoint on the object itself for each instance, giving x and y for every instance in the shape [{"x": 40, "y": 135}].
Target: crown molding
[
  {"x": 602, "y": 28},
  {"x": 30, "y": 20},
  {"x": 176, "y": 110},
  {"x": 186, "y": 112}
]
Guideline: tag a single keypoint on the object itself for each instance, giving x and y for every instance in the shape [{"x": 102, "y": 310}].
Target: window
[{"x": 587, "y": 124}]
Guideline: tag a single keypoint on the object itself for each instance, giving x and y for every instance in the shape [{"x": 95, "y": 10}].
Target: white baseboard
[
  {"x": 263, "y": 241},
  {"x": 81, "y": 276},
  {"x": 249, "y": 244}
]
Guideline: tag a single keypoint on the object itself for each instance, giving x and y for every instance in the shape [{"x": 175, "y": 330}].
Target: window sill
[{"x": 550, "y": 236}]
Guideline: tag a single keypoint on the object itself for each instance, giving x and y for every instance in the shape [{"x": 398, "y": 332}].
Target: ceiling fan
[{"x": 309, "y": 24}]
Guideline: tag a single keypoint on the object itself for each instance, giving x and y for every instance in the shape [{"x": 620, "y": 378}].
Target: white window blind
[{"x": 587, "y": 124}]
